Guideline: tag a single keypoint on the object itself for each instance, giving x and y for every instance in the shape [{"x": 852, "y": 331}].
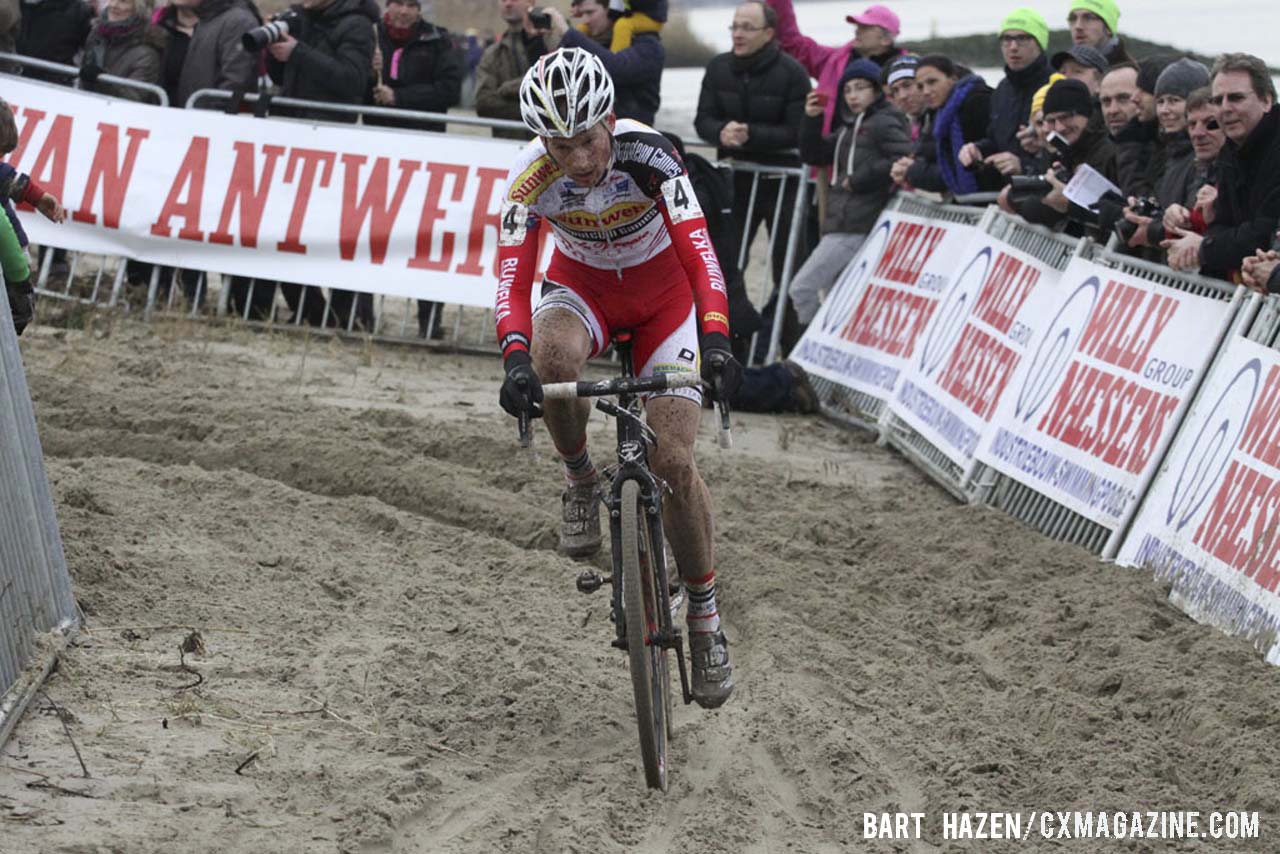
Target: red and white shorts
[{"x": 654, "y": 300}]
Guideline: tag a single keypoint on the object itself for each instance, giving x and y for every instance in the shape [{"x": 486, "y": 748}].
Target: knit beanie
[
  {"x": 901, "y": 68},
  {"x": 1068, "y": 96},
  {"x": 1107, "y": 10},
  {"x": 1037, "y": 100},
  {"x": 1029, "y": 21},
  {"x": 862, "y": 69},
  {"x": 1182, "y": 78},
  {"x": 1149, "y": 70}
]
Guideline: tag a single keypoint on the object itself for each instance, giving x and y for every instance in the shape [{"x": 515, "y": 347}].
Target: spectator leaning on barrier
[
  {"x": 636, "y": 69},
  {"x": 503, "y": 65},
  {"x": 960, "y": 104},
  {"x": 750, "y": 107},
  {"x": 123, "y": 43},
  {"x": 1243, "y": 218},
  {"x": 179, "y": 23},
  {"x": 876, "y": 30},
  {"x": 214, "y": 57},
  {"x": 330, "y": 59},
  {"x": 1082, "y": 63},
  {"x": 1207, "y": 140},
  {"x": 55, "y": 31},
  {"x": 872, "y": 135},
  {"x": 1067, "y": 111},
  {"x": 1024, "y": 37},
  {"x": 1096, "y": 23},
  {"x": 1262, "y": 271},
  {"x": 1034, "y": 142},
  {"x": 1133, "y": 138},
  {"x": 416, "y": 68}
]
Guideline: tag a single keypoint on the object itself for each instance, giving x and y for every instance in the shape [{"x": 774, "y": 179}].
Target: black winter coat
[
  {"x": 766, "y": 91},
  {"x": 426, "y": 76},
  {"x": 975, "y": 117},
  {"x": 1011, "y": 108},
  {"x": 333, "y": 60},
  {"x": 636, "y": 72},
  {"x": 860, "y": 152},
  {"x": 1248, "y": 206},
  {"x": 1135, "y": 147},
  {"x": 1093, "y": 148},
  {"x": 54, "y": 30}
]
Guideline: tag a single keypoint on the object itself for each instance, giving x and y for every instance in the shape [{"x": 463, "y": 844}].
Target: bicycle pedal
[{"x": 590, "y": 582}]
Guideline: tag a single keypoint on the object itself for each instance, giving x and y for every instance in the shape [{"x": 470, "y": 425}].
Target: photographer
[
  {"x": 326, "y": 55},
  {"x": 1068, "y": 108},
  {"x": 503, "y": 65}
]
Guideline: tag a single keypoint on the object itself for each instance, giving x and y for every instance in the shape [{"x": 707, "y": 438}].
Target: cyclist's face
[{"x": 584, "y": 158}]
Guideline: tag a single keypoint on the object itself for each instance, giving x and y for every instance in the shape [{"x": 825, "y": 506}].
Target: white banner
[
  {"x": 1209, "y": 525},
  {"x": 864, "y": 334},
  {"x": 971, "y": 349},
  {"x": 1114, "y": 361},
  {"x": 406, "y": 213}
]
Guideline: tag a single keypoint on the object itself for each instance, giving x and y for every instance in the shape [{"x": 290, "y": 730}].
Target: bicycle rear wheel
[{"x": 641, "y": 605}]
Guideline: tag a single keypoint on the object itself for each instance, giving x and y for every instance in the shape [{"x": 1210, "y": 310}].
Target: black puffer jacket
[
  {"x": 425, "y": 74},
  {"x": 766, "y": 91},
  {"x": 54, "y": 30},
  {"x": 1248, "y": 206},
  {"x": 333, "y": 60},
  {"x": 861, "y": 152},
  {"x": 1011, "y": 107}
]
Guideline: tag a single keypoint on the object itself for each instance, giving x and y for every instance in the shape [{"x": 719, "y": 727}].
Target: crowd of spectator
[{"x": 1193, "y": 152}]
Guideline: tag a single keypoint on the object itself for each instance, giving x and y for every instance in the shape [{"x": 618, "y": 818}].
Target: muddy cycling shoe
[
  {"x": 580, "y": 521},
  {"x": 712, "y": 672}
]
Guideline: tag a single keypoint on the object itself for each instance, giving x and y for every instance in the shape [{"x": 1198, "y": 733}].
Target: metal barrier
[
  {"x": 37, "y": 610},
  {"x": 72, "y": 73}
]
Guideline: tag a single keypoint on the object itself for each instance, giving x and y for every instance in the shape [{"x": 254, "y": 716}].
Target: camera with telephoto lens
[
  {"x": 1022, "y": 186},
  {"x": 275, "y": 31},
  {"x": 539, "y": 18}
]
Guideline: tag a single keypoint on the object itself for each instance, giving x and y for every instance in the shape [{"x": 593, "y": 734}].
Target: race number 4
[
  {"x": 681, "y": 202},
  {"x": 514, "y": 219}
]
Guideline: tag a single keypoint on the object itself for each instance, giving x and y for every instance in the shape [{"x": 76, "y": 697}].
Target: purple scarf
[
  {"x": 114, "y": 31},
  {"x": 947, "y": 126}
]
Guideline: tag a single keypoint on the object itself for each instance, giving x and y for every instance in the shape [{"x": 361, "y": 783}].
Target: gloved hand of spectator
[
  {"x": 521, "y": 390},
  {"x": 720, "y": 370},
  {"x": 89, "y": 72},
  {"x": 51, "y": 208},
  {"x": 22, "y": 303}
]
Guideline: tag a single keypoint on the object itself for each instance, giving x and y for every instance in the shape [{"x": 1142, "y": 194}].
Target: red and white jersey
[{"x": 642, "y": 207}]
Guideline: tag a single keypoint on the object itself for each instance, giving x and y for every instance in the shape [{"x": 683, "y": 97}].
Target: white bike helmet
[{"x": 565, "y": 92}]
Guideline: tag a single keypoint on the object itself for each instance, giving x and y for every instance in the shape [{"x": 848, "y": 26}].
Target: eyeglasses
[
  {"x": 745, "y": 28},
  {"x": 1231, "y": 97},
  {"x": 1011, "y": 39}
]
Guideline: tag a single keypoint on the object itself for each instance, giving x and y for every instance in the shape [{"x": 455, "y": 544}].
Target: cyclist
[{"x": 632, "y": 251}]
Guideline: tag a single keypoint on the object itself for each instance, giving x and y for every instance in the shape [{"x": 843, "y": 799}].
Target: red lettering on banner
[
  {"x": 1108, "y": 417},
  {"x": 1125, "y": 325},
  {"x": 372, "y": 204},
  {"x": 1260, "y": 433},
  {"x": 248, "y": 195},
  {"x": 1007, "y": 287},
  {"x": 1239, "y": 528},
  {"x": 31, "y": 120},
  {"x": 978, "y": 371},
  {"x": 483, "y": 215},
  {"x": 431, "y": 212},
  {"x": 310, "y": 158},
  {"x": 889, "y": 320},
  {"x": 909, "y": 248},
  {"x": 191, "y": 180},
  {"x": 114, "y": 176},
  {"x": 50, "y": 169}
]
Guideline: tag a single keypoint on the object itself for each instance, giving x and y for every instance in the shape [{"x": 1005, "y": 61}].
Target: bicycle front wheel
[{"x": 641, "y": 605}]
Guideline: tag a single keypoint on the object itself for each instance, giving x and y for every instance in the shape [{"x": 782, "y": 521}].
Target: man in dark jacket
[
  {"x": 53, "y": 30},
  {"x": 215, "y": 58},
  {"x": 1095, "y": 23},
  {"x": 636, "y": 69},
  {"x": 503, "y": 65},
  {"x": 750, "y": 108},
  {"x": 1024, "y": 37},
  {"x": 329, "y": 59},
  {"x": 1247, "y": 208}
]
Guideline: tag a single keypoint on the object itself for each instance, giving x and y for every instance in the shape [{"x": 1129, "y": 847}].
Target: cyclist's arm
[
  {"x": 692, "y": 241},
  {"x": 517, "y": 264}
]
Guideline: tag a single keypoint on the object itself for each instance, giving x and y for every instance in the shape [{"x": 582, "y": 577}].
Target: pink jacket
[{"x": 826, "y": 64}]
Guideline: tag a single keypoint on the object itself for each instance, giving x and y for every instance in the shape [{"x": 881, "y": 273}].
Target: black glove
[
  {"x": 720, "y": 370},
  {"x": 89, "y": 72},
  {"x": 22, "y": 303},
  {"x": 521, "y": 390}
]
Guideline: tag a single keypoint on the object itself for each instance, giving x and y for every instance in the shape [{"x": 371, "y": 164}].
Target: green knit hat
[
  {"x": 1029, "y": 21},
  {"x": 1107, "y": 10}
]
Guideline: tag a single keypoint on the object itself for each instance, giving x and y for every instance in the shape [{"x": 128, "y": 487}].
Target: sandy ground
[{"x": 391, "y": 656}]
